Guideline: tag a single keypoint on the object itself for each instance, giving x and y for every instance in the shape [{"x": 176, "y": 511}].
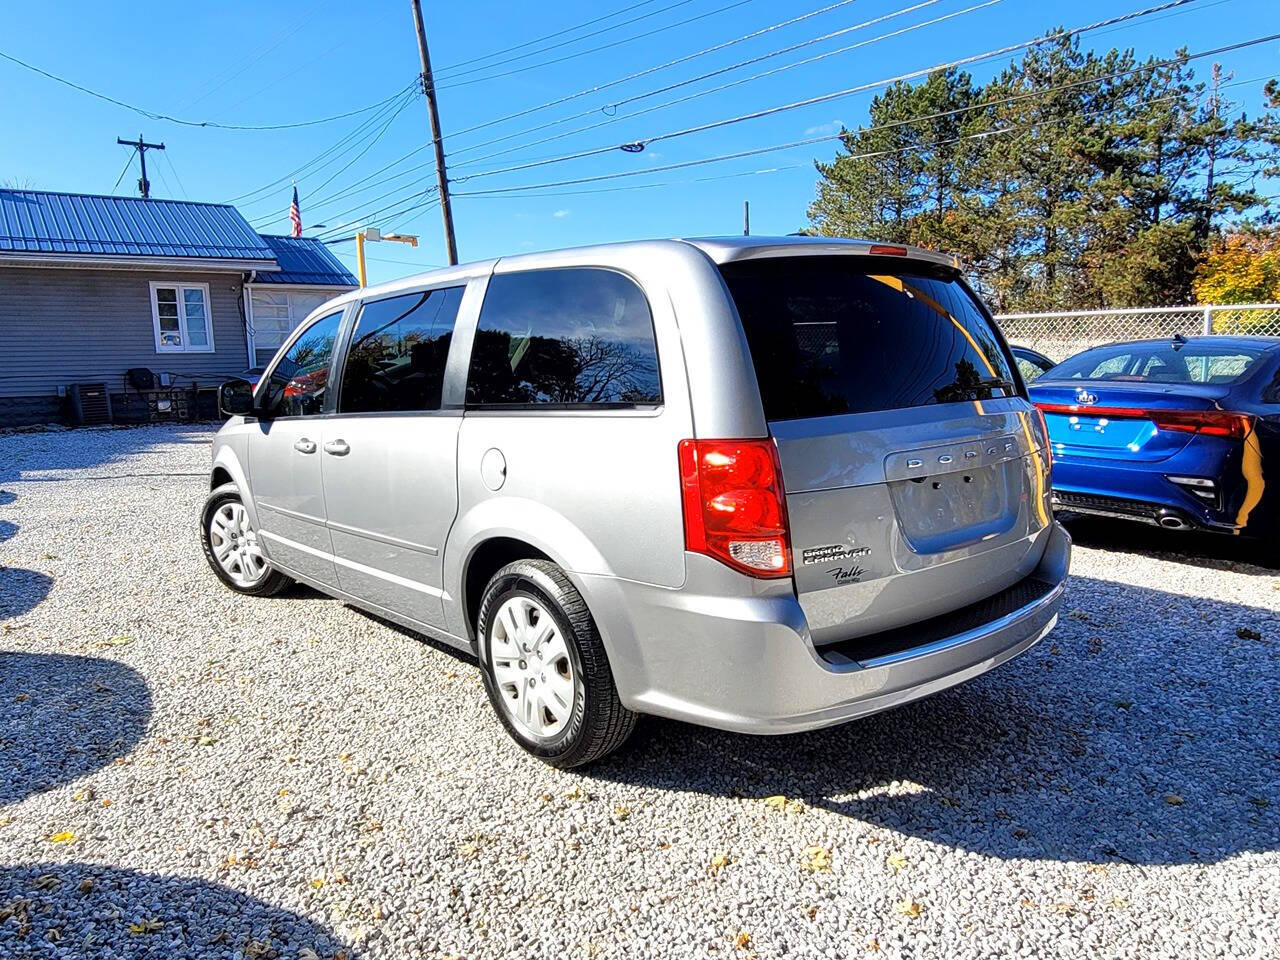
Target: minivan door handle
[
  {"x": 337, "y": 448},
  {"x": 305, "y": 446}
]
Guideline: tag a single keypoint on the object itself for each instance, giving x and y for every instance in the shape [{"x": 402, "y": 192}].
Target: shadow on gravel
[
  {"x": 1211, "y": 551},
  {"x": 7, "y": 497},
  {"x": 63, "y": 717},
  {"x": 26, "y": 453},
  {"x": 8, "y": 530},
  {"x": 22, "y": 590},
  {"x": 101, "y": 911},
  {"x": 1143, "y": 729}
]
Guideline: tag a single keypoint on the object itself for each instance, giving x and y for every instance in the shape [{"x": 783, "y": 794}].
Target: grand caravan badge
[{"x": 834, "y": 551}]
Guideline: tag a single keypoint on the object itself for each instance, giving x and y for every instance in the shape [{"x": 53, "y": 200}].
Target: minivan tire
[
  {"x": 271, "y": 583},
  {"x": 598, "y": 724}
]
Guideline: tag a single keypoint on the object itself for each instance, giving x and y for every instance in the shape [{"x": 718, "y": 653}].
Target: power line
[
  {"x": 372, "y": 142},
  {"x": 153, "y": 115},
  {"x": 127, "y": 164},
  {"x": 367, "y": 123},
  {"x": 174, "y": 170},
  {"x": 454, "y": 72},
  {"x": 549, "y": 36},
  {"x": 636, "y": 146},
  {"x": 648, "y": 70},
  {"x": 757, "y": 76},
  {"x": 591, "y": 50},
  {"x": 423, "y": 197},
  {"x": 230, "y": 72},
  {"x": 877, "y": 127},
  {"x": 353, "y": 188}
]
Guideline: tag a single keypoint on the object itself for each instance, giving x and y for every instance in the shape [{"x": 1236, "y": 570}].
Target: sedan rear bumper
[{"x": 748, "y": 663}]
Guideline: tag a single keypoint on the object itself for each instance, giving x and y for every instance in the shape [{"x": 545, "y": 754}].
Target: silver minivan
[{"x": 760, "y": 484}]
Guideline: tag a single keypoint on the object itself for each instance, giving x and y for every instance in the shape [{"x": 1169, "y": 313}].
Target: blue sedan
[{"x": 1169, "y": 432}]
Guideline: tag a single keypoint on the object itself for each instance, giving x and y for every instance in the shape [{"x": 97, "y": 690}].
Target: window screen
[
  {"x": 567, "y": 337},
  {"x": 398, "y": 353}
]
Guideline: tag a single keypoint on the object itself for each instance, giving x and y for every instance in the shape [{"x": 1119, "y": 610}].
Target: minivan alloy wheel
[
  {"x": 235, "y": 544},
  {"x": 532, "y": 667}
]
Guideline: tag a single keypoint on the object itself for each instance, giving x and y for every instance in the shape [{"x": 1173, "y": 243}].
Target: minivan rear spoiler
[{"x": 723, "y": 250}]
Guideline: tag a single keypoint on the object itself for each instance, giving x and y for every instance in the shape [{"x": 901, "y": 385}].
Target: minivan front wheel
[
  {"x": 231, "y": 546},
  {"x": 545, "y": 667}
]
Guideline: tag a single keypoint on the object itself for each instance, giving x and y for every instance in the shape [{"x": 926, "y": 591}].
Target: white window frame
[{"x": 179, "y": 286}]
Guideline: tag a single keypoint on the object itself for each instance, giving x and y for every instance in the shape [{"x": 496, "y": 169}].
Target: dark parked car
[
  {"x": 1168, "y": 432},
  {"x": 1032, "y": 364}
]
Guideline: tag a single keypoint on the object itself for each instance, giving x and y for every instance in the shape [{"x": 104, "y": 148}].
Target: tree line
[{"x": 1071, "y": 180}]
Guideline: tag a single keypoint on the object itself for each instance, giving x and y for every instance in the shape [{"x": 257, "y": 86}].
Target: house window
[
  {"x": 275, "y": 312},
  {"x": 180, "y": 315}
]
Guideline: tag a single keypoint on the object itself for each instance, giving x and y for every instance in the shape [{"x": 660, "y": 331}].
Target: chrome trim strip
[
  {"x": 381, "y": 538},
  {"x": 294, "y": 514}
]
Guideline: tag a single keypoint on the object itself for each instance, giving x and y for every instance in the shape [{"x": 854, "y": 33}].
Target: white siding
[{"x": 60, "y": 326}]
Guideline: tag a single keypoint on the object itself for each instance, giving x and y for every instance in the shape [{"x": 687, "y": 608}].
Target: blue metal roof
[
  {"x": 305, "y": 260},
  {"x": 33, "y": 221}
]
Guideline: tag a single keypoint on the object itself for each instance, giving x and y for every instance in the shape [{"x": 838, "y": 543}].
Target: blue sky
[{"x": 263, "y": 63}]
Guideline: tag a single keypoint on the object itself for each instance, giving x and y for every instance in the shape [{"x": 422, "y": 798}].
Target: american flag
[{"x": 295, "y": 215}]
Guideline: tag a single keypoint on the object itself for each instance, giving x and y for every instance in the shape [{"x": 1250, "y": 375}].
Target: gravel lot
[{"x": 189, "y": 773}]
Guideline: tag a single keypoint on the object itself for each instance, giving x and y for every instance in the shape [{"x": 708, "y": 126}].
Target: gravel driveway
[{"x": 189, "y": 773}]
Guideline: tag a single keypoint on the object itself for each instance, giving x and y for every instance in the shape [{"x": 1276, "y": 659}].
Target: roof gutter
[{"x": 82, "y": 260}]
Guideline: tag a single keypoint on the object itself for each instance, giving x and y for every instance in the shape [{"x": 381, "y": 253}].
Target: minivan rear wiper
[{"x": 965, "y": 389}]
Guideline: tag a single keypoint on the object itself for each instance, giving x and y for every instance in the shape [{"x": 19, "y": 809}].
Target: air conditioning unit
[{"x": 90, "y": 403}]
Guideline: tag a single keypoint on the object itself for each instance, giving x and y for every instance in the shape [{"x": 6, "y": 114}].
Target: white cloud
[
  {"x": 560, "y": 214},
  {"x": 821, "y": 128}
]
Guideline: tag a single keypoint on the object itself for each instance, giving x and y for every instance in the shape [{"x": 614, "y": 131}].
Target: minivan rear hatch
[{"x": 915, "y": 471}]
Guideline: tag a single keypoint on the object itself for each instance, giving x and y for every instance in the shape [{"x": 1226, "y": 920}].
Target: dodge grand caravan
[{"x": 765, "y": 485}]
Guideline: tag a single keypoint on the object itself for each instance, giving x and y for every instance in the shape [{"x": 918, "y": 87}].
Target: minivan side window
[
  {"x": 565, "y": 337},
  {"x": 398, "y": 352},
  {"x": 298, "y": 380}
]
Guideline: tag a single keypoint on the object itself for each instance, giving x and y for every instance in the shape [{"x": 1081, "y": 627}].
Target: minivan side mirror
[{"x": 235, "y": 397}]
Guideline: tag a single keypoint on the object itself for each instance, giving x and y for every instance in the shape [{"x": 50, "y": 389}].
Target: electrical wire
[
  {"x": 365, "y": 124},
  {"x": 591, "y": 50},
  {"x": 174, "y": 171},
  {"x": 756, "y": 76},
  {"x": 368, "y": 218},
  {"x": 373, "y": 141},
  {"x": 548, "y": 36},
  {"x": 153, "y": 115},
  {"x": 636, "y": 146},
  {"x": 654, "y": 69},
  {"x": 127, "y": 164},
  {"x": 448, "y": 73},
  {"x": 353, "y": 188},
  {"x": 878, "y": 127}
]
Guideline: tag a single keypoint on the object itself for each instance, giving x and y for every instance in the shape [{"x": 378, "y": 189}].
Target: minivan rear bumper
[{"x": 748, "y": 663}]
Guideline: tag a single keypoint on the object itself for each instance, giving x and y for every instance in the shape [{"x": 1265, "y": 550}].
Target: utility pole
[
  {"x": 144, "y": 185},
  {"x": 746, "y": 218},
  {"x": 429, "y": 91}
]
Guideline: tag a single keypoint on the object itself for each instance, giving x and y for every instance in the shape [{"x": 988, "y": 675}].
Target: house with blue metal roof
[{"x": 93, "y": 288}]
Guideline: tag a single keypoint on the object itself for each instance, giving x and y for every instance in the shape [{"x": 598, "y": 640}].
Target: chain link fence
[{"x": 1059, "y": 335}]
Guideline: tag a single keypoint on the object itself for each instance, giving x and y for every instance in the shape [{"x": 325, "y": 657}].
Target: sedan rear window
[
  {"x": 833, "y": 335},
  {"x": 1163, "y": 362}
]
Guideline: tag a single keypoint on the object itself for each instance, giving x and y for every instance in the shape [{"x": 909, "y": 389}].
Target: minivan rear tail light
[
  {"x": 734, "y": 506},
  {"x": 1210, "y": 423}
]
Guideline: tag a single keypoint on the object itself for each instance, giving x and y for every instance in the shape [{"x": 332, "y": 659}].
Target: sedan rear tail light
[
  {"x": 1210, "y": 423},
  {"x": 734, "y": 506}
]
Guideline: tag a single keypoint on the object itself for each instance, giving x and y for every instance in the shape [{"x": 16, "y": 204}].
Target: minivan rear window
[{"x": 846, "y": 334}]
